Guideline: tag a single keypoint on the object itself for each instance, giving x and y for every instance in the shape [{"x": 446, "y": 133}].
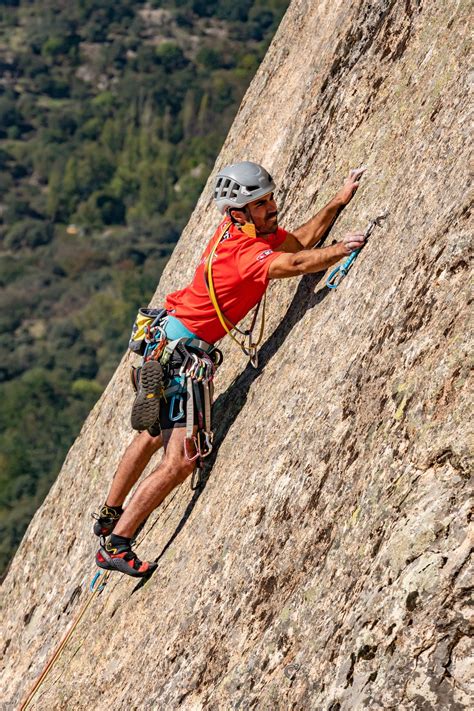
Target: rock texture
[{"x": 324, "y": 563}]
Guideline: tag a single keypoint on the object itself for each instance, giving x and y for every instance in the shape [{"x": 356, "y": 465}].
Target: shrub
[
  {"x": 209, "y": 58},
  {"x": 170, "y": 56},
  {"x": 9, "y": 114},
  {"x": 29, "y": 233}
]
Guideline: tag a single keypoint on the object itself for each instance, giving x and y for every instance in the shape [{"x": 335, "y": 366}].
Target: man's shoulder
[{"x": 236, "y": 240}]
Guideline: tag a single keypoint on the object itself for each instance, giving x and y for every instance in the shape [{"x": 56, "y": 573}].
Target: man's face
[{"x": 263, "y": 213}]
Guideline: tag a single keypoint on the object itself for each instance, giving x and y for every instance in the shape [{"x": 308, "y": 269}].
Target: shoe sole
[
  {"x": 146, "y": 408},
  {"x": 122, "y": 566}
]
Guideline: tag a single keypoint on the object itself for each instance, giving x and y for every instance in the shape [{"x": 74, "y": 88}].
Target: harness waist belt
[
  {"x": 198, "y": 343},
  {"x": 181, "y": 344}
]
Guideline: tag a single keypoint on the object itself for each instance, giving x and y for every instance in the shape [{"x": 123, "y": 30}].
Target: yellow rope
[
  {"x": 59, "y": 649},
  {"x": 225, "y": 322}
]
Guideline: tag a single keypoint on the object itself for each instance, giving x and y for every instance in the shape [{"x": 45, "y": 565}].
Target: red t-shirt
[{"x": 240, "y": 275}]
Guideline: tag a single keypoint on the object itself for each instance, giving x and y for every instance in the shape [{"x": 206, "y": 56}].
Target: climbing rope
[
  {"x": 95, "y": 591},
  {"x": 60, "y": 648},
  {"x": 250, "y": 347},
  {"x": 338, "y": 274}
]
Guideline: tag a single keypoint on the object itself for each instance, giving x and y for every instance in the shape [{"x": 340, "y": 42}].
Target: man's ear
[{"x": 237, "y": 216}]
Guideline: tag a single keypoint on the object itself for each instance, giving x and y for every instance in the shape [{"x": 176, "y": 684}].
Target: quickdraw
[
  {"x": 199, "y": 395},
  {"x": 338, "y": 274}
]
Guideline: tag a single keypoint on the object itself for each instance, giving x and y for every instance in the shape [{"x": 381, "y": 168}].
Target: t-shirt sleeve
[{"x": 254, "y": 257}]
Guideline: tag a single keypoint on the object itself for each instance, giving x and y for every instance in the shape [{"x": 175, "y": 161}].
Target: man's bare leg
[
  {"x": 172, "y": 471},
  {"x": 136, "y": 457}
]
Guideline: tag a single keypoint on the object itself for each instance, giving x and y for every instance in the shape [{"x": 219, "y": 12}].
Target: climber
[{"x": 251, "y": 250}]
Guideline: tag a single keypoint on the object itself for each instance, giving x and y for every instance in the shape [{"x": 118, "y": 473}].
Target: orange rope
[{"x": 59, "y": 649}]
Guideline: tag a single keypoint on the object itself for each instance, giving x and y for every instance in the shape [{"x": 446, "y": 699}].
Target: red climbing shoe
[
  {"x": 123, "y": 559},
  {"x": 106, "y": 520}
]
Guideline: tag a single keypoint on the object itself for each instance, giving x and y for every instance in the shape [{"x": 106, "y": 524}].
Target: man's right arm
[{"x": 309, "y": 261}]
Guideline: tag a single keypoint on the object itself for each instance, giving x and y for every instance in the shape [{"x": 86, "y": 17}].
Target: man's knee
[
  {"x": 184, "y": 469},
  {"x": 179, "y": 468}
]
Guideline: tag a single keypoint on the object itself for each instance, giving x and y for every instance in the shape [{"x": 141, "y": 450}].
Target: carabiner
[
  {"x": 253, "y": 356},
  {"x": 94, "y": 581},
  {"x": 192, "y": 368},
  {"x": 198, "y": 453},
  {"x": 172, "y": 416},
  {"x": 335, "y": 278},
  {"x": 182, "y": 370},
  {"x": 338, "y": 274},
  {"x": 209, "y": 436}
]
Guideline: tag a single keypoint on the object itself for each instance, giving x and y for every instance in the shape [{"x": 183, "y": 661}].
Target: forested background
[{"x": 111, "y": 115}]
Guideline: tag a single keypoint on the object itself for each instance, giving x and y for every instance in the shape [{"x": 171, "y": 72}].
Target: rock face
[{"x": 324, "y": 563}]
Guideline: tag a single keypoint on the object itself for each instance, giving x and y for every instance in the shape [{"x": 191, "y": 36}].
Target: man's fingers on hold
[{"x": 354, "y": 242}]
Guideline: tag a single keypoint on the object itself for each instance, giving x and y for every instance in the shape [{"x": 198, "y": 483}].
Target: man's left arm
[{"x": 310, "y": 233}]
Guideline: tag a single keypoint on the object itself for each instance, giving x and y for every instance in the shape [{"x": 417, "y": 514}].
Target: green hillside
[{"x": 111, "y": 116}]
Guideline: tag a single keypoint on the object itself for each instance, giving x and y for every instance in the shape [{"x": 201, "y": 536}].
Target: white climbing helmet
[{"x": 241, "y": 183}]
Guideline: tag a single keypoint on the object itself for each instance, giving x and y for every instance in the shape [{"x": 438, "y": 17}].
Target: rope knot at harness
[{"x": 338, "y": 273}]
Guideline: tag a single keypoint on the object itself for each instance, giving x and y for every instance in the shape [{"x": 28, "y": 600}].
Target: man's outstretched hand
[
  {"x": 353, "y": 241},
  {"x": 346, "y": 193}
]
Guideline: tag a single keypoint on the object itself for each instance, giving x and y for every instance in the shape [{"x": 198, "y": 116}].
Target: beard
[{"x": 271, "y": 225}]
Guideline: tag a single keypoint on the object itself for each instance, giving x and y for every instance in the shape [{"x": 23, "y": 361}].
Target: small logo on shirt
[{"x": 264, "y": 254}]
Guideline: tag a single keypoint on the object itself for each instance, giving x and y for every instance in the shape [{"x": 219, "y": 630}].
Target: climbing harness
[
  {"x": 191, "y": 381},
  {"x": 338, "y": 274},
  {"x": 249, "y": 348},
  {"x": 189, "y": 365}
]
